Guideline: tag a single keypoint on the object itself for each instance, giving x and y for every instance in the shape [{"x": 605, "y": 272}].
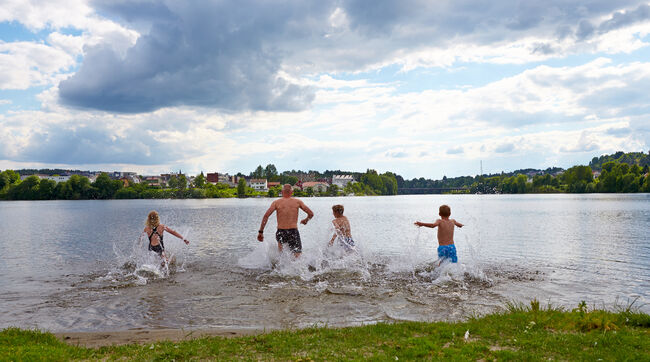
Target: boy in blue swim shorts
[{"x": 445, "y": 225}]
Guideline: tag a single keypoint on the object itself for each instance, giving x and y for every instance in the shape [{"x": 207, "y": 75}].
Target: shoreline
[
  {"x": 521, "y": 332},
  {"x": 149, "y": 335}
]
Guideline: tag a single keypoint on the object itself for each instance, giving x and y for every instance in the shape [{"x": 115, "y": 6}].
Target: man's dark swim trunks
[{"x": 290, "y": 237}]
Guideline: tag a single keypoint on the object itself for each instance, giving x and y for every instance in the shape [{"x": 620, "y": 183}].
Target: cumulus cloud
[
  {"x": 505, "y": 147},
  {"x": 455, "y": 150},
  {"x": 26, "y": 64},
  {"x": 234, "y": 56}
]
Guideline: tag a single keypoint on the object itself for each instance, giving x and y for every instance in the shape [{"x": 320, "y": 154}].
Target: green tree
[
  {"x": 333, "y": 190},
  {"x": 182, "y": 182},
  {"x": 106, "y": 188},
  {"x": 627, "y": 183},
  {"x": 25, "y": 190},
  {"x": 4, "y": 180},
  {"x": 241, "y": 187},
  {"x": 8, "y": 177},
  {"x": 46, "y": 189},
  {"x": 258, "y": 173},
  {"x": 646, "y": 184},
  {"x": 199, "y": 180},
  {"x": 607, "y": 181},
  {"x": 288, "y": 179},
  {"x": 608, "y": 166},
  {"x": 173, "y": 182},
  {"x": 270, "y": 172},
  {"x": 390, "y": 183},
  {"x": 374, "y": 181}
]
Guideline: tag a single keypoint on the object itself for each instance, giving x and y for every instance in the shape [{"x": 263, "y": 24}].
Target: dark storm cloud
[
  {"x": 211, "y": 54},
  {"x": 229, "y": 55}
]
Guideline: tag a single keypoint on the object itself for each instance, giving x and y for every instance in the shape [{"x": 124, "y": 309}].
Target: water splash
[
  {"x": 138, "y": 265},
  {"x": 334, "y": 265}
]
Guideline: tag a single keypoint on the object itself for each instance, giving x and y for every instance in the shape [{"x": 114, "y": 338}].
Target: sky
[{"x": 420, "y": 88}]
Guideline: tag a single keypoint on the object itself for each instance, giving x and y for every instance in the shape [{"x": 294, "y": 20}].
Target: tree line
[{"x": 620, "y": 172}]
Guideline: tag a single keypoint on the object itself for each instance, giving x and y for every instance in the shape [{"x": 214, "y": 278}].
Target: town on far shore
[
  {"x": 619, "y": 172},
  {"x": 303, "y": 181}
]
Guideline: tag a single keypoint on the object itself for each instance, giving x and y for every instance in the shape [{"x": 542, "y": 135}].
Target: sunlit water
[{"x": 83, "y": 265}]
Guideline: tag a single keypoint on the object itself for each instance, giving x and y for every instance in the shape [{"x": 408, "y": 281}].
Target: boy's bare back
[
  {"x": 342, "y": 226},
  {"x": 446, "y": 230}
]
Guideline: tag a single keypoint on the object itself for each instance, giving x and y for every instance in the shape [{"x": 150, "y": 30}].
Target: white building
[
  {"x": 55, "y": 178},
  {"x": 342, "y": 180},
  {"x": 258, "y": 184}
]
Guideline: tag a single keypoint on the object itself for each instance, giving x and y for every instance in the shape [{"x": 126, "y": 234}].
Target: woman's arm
[{"x": 173, "y": 232}]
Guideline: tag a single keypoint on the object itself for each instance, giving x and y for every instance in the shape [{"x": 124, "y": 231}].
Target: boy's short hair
[
  {"x": 445, "y": 211},
  {"x": 338, "y": 209}
]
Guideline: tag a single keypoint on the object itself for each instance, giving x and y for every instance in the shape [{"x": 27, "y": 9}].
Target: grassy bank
[{"x": 529, "y": 333}]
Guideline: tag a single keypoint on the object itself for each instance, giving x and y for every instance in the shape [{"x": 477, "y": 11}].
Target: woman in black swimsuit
[{"x": 155, "y": 231}]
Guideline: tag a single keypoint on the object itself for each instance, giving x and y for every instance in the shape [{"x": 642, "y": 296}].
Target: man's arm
[
  {"x": 429, "y": 225},
  {"x": 458, "y": 224},
  {"x": 304, "y": 208},
  {"x": 265, "y": 219}
]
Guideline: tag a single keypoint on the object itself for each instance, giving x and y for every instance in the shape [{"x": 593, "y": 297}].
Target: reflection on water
[{"x": 84, "y": 265}]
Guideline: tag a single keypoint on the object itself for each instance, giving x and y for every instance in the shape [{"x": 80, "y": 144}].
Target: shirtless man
[
  {"x": 287, "y": 214},
  {"x": 445, "y": 225}
]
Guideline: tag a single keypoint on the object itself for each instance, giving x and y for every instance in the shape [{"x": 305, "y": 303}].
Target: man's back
[{"x": 287, "y": 212}]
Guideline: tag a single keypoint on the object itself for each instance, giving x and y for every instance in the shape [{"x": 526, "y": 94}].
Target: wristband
[{"x": 261, "y": 231}]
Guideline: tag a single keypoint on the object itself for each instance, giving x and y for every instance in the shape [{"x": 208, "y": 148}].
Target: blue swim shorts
[{"x": 448, "y": 252}]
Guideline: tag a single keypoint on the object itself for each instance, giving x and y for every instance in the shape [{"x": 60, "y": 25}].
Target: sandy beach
[{"x": 141, "y": 336}]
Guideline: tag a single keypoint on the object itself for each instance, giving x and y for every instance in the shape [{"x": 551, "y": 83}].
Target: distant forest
[{"x": 620, "y": 172}]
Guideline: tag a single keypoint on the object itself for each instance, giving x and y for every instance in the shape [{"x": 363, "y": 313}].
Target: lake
[{"x": 84, "y": 266}]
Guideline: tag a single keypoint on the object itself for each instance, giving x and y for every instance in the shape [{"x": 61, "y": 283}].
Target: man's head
[
  {"x": 445, "y": 211},
  {"x": 287, "y": 190},
  {"x": 337, "y": 210}
]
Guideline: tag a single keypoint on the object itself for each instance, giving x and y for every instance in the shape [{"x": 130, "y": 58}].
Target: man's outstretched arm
[{"x": 265, "y": 219}]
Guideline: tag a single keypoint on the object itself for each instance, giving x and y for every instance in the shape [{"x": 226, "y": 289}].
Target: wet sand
[{"x": 143, "y": 336}]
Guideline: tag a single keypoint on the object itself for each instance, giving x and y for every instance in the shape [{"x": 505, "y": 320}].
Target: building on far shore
[
  {"x": 272, "y": 184},
  {"x": 156, "y": 181},
  {"x": 317, "y": 186},
  {"x": 258, "y": 184},
  {"x": 55, "y": 178},
  {"x": 342, "y": 180},
  {"x": 218, "y": 177}
]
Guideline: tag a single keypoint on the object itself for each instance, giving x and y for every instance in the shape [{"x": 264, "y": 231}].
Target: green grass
[{"x": 520, "y": 333}]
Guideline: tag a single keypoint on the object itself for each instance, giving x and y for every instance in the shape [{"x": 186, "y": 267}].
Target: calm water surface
[{"x": 83, "y": 265}]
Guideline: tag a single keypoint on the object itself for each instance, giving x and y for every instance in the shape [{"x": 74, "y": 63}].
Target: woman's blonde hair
[{"x": 153, "y": 220}]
